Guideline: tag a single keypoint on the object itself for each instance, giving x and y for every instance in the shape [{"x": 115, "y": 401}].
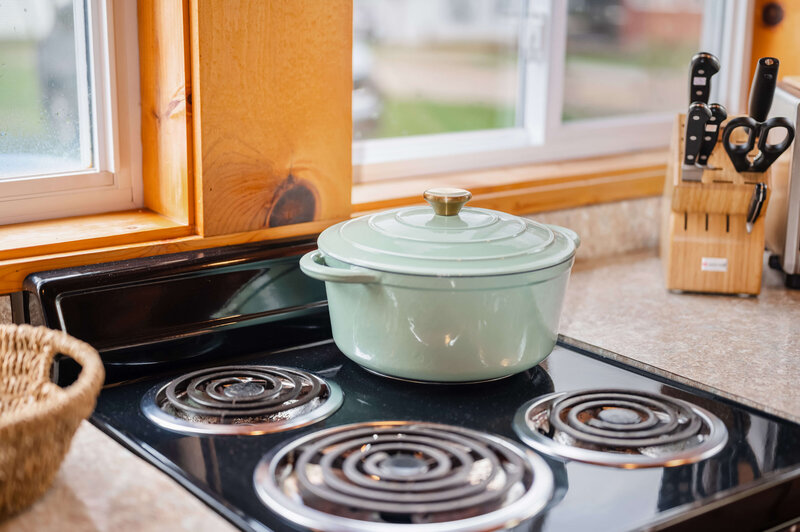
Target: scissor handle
[
  {"x": 736, "y": 151},
  {"x": 770, "y": 152}
]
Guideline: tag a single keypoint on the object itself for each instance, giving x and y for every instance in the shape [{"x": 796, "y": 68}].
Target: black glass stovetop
[
  {"x": 154, "y": 319},
  {"x": 219, "y": 469}
]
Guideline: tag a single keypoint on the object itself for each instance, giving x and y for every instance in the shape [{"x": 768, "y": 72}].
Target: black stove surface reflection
[{"x": 219, "y": 468}]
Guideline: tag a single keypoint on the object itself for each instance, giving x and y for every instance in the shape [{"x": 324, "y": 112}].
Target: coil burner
[
  {"x": 620, "y": 428},
  {"x": 403, "y": 475},
  {"x": 242, "y": 400}
]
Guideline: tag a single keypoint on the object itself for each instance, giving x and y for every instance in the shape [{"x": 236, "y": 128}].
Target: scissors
[{"x": 757, "y": 125}]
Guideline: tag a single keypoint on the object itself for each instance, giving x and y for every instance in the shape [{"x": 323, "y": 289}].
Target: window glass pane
[
  {"x": 434, "y": 66},
  {"x": 44, "y": 95},
  {"x": 629, "y": 56}
]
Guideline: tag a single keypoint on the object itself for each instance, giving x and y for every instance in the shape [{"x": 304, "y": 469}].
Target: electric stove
[{"x": 221, "y": 372}]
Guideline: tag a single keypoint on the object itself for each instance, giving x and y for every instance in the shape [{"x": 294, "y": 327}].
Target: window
[
  {"x": 68, "y": 109},
  {"x": 447, "y": 85},
  {"x": 422, "y": 68}
]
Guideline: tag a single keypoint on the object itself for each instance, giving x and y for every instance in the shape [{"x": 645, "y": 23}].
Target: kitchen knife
[
  {"x": 696, "y": 119},
  {"x": 756, "y": 203},
  {"x": 702, "y": 67},
  {"x": 718, "y": 115},
  {"x": 763, "y": 88}
]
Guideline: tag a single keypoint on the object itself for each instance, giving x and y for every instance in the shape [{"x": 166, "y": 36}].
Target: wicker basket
[{"x": 37, "y": 417}]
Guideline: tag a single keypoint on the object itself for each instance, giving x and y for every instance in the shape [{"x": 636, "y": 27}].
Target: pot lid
[{"x": 444, "y": 239}]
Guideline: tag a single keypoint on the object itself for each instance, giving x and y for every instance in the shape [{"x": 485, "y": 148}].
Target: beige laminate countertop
[{"x": 745, "y": 348}]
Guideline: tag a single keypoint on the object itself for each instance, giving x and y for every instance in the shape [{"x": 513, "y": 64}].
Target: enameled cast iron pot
[{"x": 444, "y": 294}]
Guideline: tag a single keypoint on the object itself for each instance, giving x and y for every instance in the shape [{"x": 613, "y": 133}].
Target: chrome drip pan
[
  {"x": 620, "y": 428},
  {"x": 241, "y": 400},
  {"x": 393, "y": 475}
]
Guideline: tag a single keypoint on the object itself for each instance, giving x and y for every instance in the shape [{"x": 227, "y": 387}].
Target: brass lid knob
[{"x": 447, "y": 201}]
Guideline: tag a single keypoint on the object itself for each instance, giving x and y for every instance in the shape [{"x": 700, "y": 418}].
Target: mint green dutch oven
[{"x": 444, "y": 294}]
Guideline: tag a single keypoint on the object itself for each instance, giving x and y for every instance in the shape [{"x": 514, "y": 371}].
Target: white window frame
[
  {"x": 542, "y": 136},
  {"x": 115, "y": 181}
]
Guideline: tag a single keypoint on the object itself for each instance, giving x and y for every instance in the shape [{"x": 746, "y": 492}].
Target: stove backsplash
[
  {"x": 610, "y": 229},
  {"x": 177, "y": 306},
  {"x": 171, "y": 309}
]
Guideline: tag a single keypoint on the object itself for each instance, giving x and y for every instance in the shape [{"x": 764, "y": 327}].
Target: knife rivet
[
  {"x": 701, "y": 71},
  {"x": 690, "y": 157},
  {"x": 698, "y": 92},
  {"x": 695, "y": 117},
  {"x": 692, "y": 137},
  {"x": 706, "y": 138}
]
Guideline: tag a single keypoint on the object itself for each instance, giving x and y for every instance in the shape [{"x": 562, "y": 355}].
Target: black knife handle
[
  {"x": 696, "y": 119},
  {"x": 702, "y": 67},
  {"x": 711, "y": 134},
  {"x": 763, "y": 88},
  {"x": 756, "y": 203}
]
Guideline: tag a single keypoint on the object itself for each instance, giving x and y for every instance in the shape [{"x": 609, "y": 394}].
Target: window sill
[
  {"x": 38, "y": 246},
  {"x": 533, "y": 188},
  {"x": 78, "y": 233}
]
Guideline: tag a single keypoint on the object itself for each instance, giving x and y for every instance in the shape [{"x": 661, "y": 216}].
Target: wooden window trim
[{"x": 532, "y": 188}]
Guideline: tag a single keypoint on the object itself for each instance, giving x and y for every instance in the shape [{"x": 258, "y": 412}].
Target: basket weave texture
[{"x": 37, "y": 417}]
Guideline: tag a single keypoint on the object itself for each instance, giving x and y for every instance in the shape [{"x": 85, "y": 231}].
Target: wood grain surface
[
  {"x": 166, "y": 114},
  {"x": 528, "y": 189},
  {"x": 775, "y": 34},
  {"x": 85, "y": 232},
  {"x": 271, "y": 96}
]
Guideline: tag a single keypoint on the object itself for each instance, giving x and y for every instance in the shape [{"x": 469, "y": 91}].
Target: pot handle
[
  {"x": 569, "y": 233},
  {"x": 313, "y": 265}
]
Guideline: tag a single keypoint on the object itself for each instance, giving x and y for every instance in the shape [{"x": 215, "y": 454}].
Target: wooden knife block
[{"x": 705, "y": 246}]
